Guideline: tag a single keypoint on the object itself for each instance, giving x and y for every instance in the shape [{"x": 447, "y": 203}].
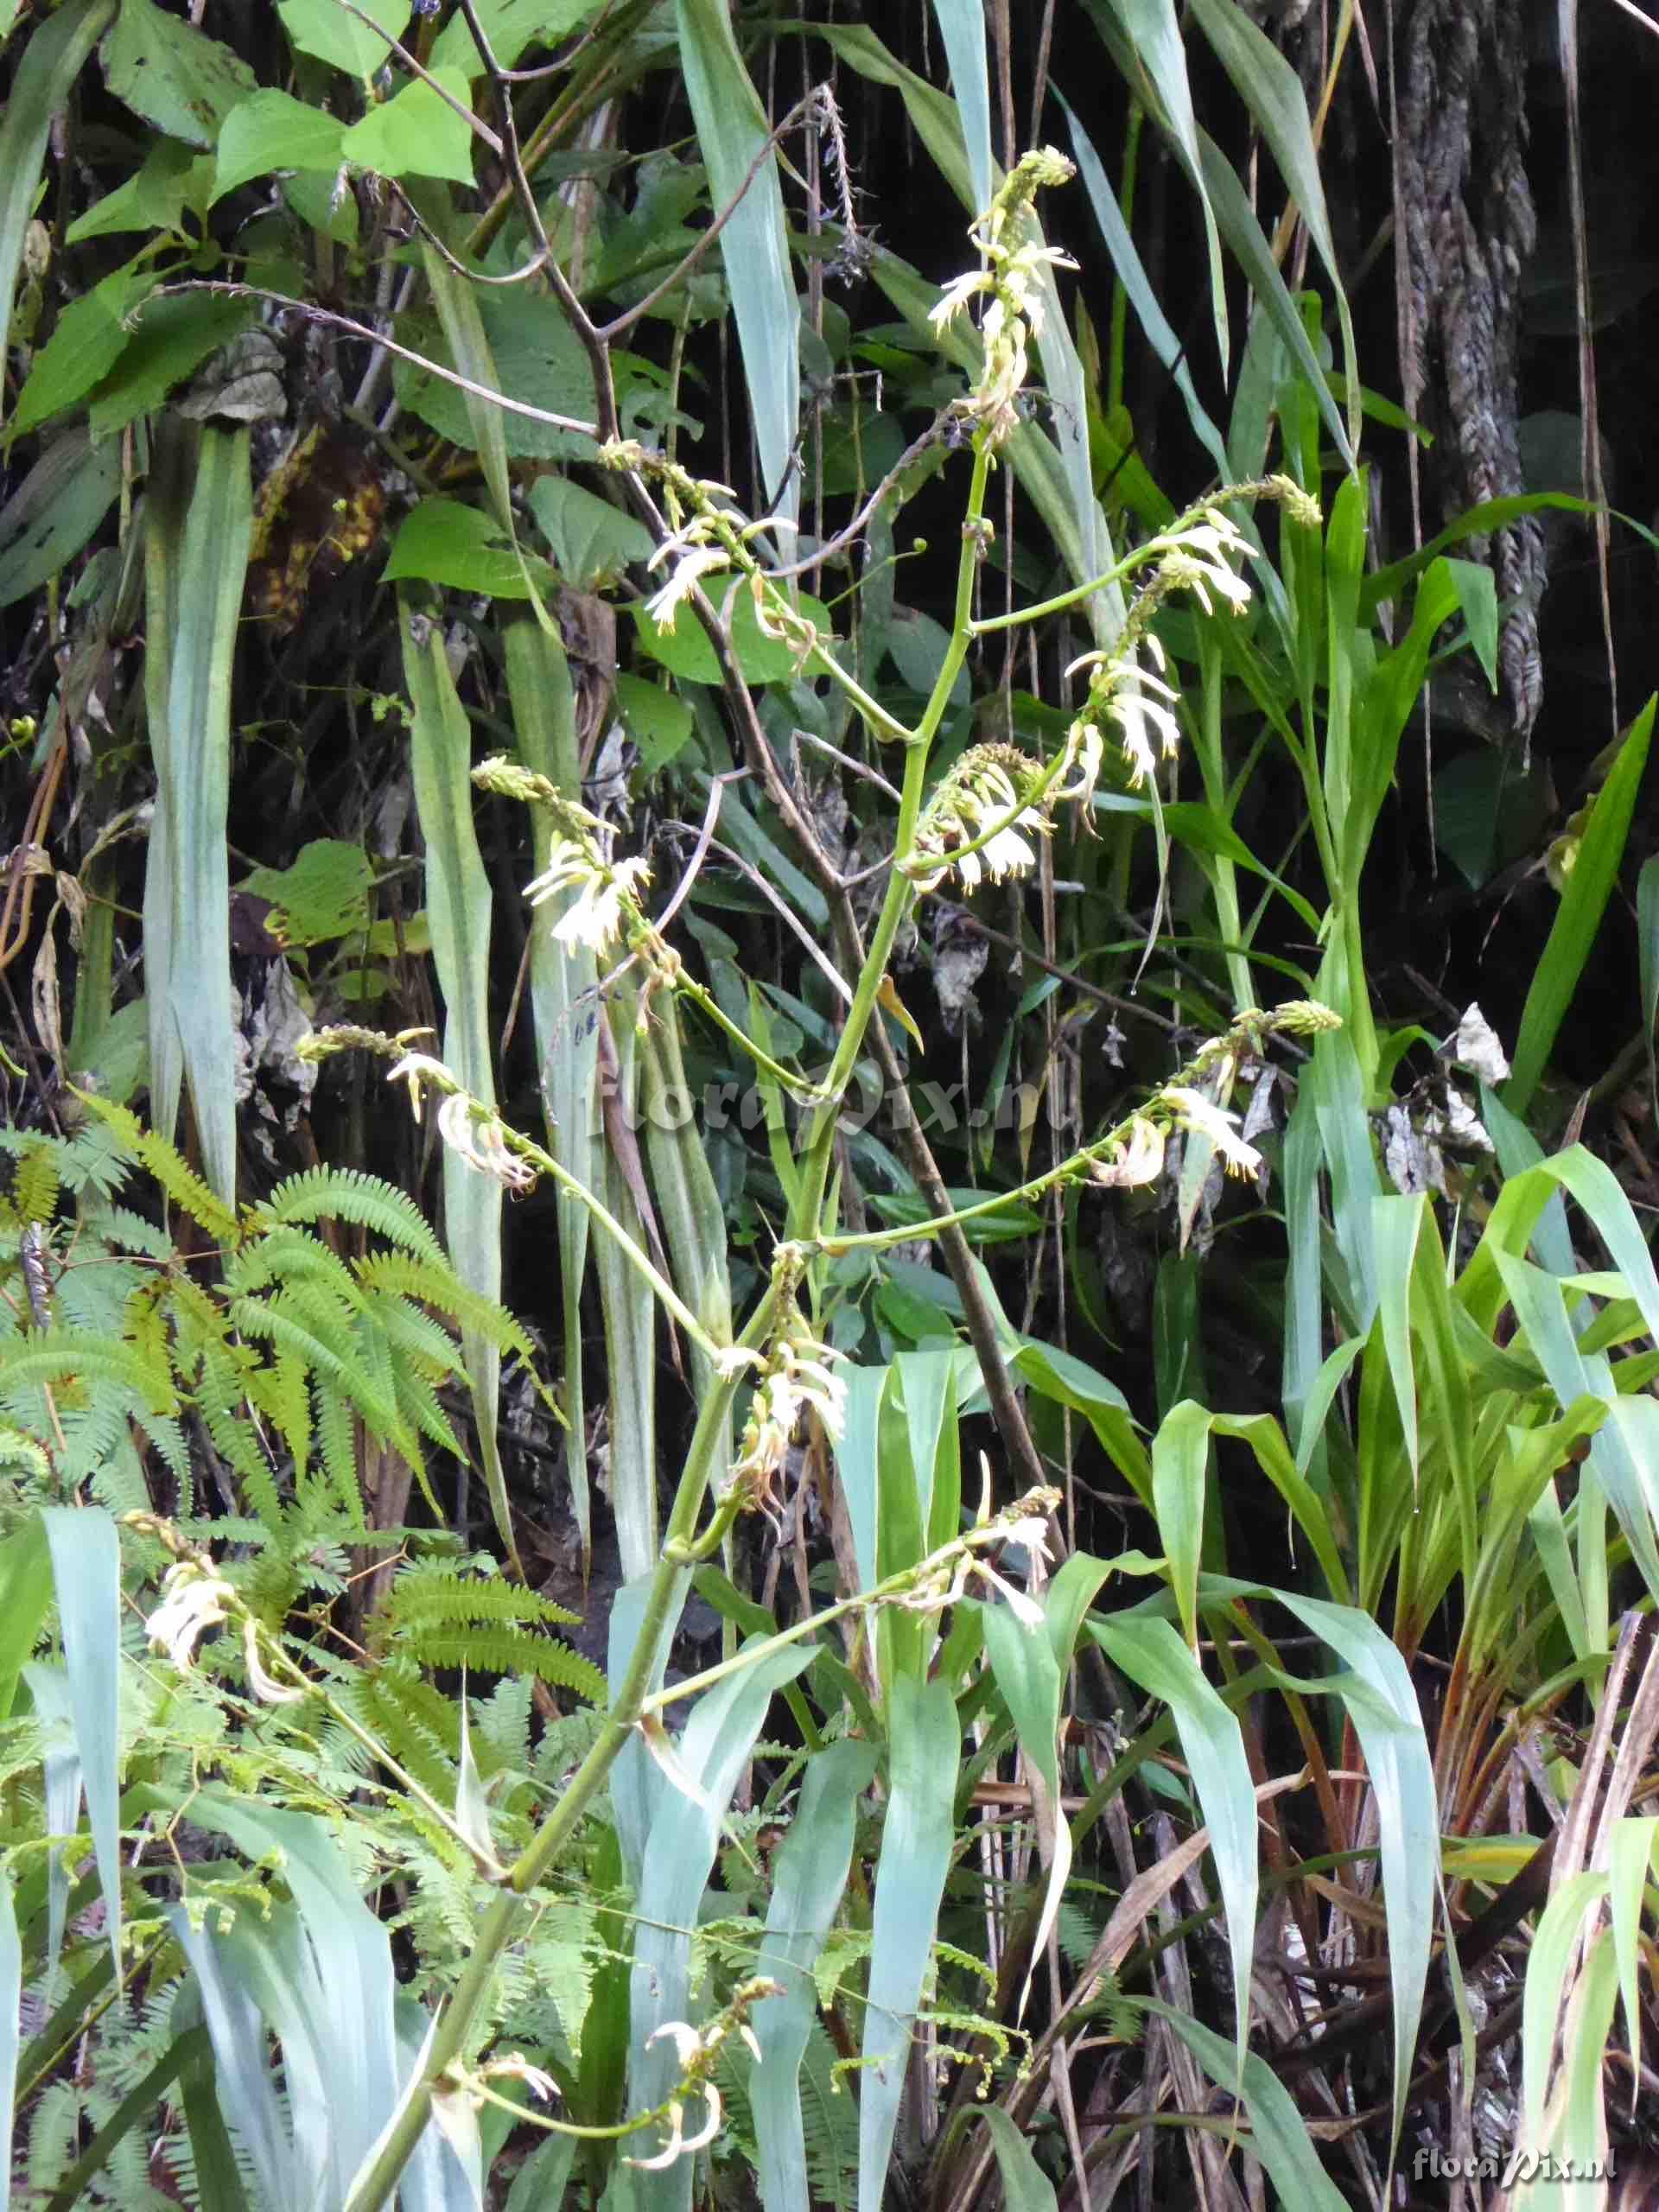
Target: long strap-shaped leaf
[
  {"x": 807, "y": 1885},
  {"x": 458, "y": 911},
  {"x": 731, "y": 130},
  {"x": 11, "y": 1995},
  {"x": 679, "y": 1857},
  {"x": 198, "y": 527},
  {"x": 55, "y": 59},
  {"x": 562, "y": 1007},
  {"x": 86, "y": 1573},
  {"x": 926, "y": 1748}
]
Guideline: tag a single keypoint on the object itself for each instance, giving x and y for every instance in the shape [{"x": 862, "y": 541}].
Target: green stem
[
  {"x": 892, "y": 1588},
  {"x": 500, "y": 1921},
  {"x": 544, "y": 1164},
  {"x": 806, "y": 1213}
]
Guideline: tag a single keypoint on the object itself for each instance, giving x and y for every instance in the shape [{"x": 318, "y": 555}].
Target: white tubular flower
[
  {"x": 698, "y": 561},
  {"x": 477, "y": 1138},
  {"x": 706, "y": 2134},
  {"x": 416, "y": 1069},
  {"x": 1138, "y": 1160},
  {"x": 1136, "y": 713},
  {"x": 979, "y": 796},
  {"x": 264, "y": 1687},
  {"x": 1032, "y": 1536},
  {"x": 1203, "y": 1115},
  {"x": 193, "y": 1599},
  {"x": 515, "y": 2067},
  {"x": 594, "y": 917},
  {"x": 956, "y": 296}
]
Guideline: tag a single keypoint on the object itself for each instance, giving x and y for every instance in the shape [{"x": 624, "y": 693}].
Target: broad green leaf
[
  {"x": 592, "y": 540},
  {"x": 86, "y": 1575},
  {"x": 170, "y": 340},
  {"x": 54, "y": 58},
  {"x": 323, "y": 29},
  {"x": 1065, "y": 1380},
  {"x": 1580, "y": 2145},
  {"x": 416, "y": 133},
  {"x": 926, "y": 1750},
  {"x": 173, "y": 177},
  {"x": 536, "y": 357},
  {"x": 459, "y": 905},
  {"x": 510, "y": 25},
  {"x": 732, "y": 129},
  {"x": 809, "y": 1876},
  {"x": 1620, "y": 1455},
  {"x": 199, "y": 521},
  {"x": 466, "y": 334},
  {"x": 273, "y": 130},
  {"x": 447, "y": 542},
  {"x": 1382, "y": 1705},
  {"x": 1560, "y": 967},
  {"x": 216, "y": 2171},
  {"x": 91, "y": 336},
  {"x": 1476, "y": 589},
  {"x": 658, "y": 720},
  {"x": 686, "y": 651},
  {"x": 1279, "y": 2134},
  {"x": 1150, "y": 1652},
  {"x": 172, "y": 74},
  {"x": 53, "y": 511},
  {"x": 1026, "y": 2187},
  {"x": 1395, "y": 1222},
  {"x": 324, "y": 895},
  {"x": 322, "y": 1977}
]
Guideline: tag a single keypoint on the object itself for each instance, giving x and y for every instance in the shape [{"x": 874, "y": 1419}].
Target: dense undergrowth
[{"x": 785, "y": 1422}]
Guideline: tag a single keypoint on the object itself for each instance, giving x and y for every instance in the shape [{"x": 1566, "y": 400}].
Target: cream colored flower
[
  {"x": 595, "y": 915},
  {"x": 693, "y": 2052},
  {"x": 1138, "y": 1159},
  {"x": 698, "y": 561},
  {"x": 1206, "y": 1119},
  {"x": 418, "y": 1068},
  {"x": 194, "y": 1598},
  {"x": 515, "y": 2067},
  {"x": 265, "y": 1685},
  {"x": 476, "y": 1137}
]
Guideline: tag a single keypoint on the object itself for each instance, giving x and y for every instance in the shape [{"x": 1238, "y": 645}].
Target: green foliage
[{"x": 1124, "y": 757}]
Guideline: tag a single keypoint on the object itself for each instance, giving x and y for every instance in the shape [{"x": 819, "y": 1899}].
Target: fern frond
[
  {"x": 127, "y": 1231},
  {"x": 442, "y": 1288},
  {"x": 276, "y": 1322},
  {"x": 507, "y": 1651},
  {"x": 291, "y": 1255},
  {"x": 169, "y": 1168},
  {"x": 344, "y": 1194},
  {"x": 337, "y": 1448},
  {"x": 34, "y": 1186},
  {"x": 447, "y": 1596}
]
